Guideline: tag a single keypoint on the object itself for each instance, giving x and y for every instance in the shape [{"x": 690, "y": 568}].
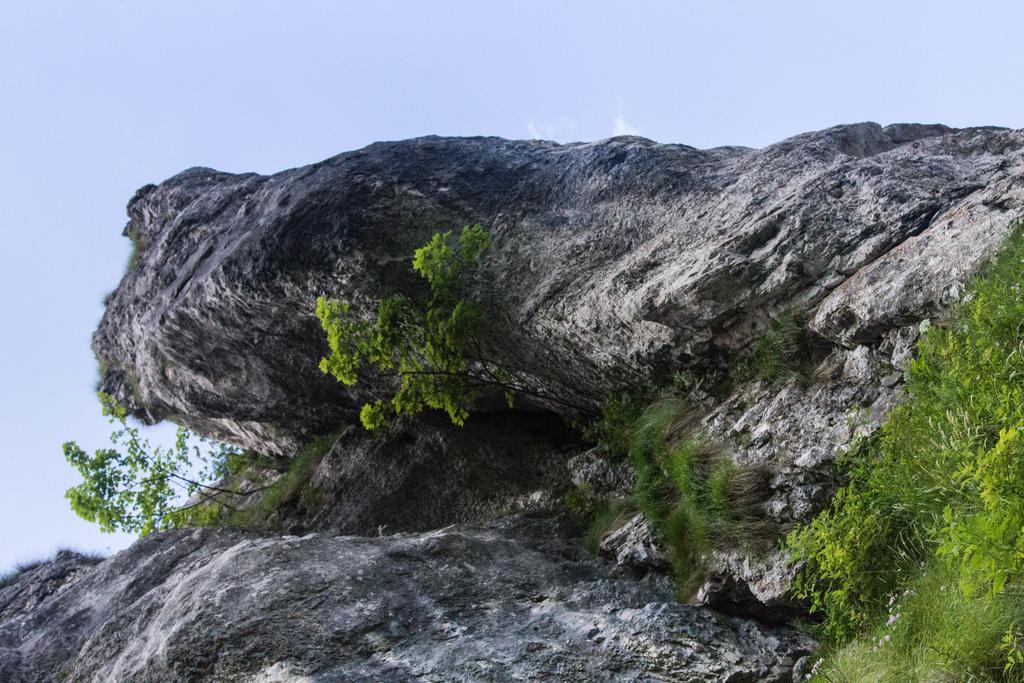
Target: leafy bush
[
  {"x": 134, "y": 487},
  {"x": 428, "y": 348},
  {"x": 941, "y": 482},
  {"x": 692, "y": 493}
]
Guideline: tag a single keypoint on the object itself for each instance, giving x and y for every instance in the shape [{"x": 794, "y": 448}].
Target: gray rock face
[
  {"x": 427, "y": 473},
  {"x": 510, "y": 600},
  {"x": 611, "y": 261},
  {"x": 797, "y": 429},
  {"x": 634, "y": 546}
]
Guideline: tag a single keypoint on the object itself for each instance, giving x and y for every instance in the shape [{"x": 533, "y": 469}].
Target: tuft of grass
[
  {"x": 694, "y": 495},
  {"x": 773, "y": 354},
  {"x": 605, "y": 519},
  {"x": 600, "y": 514},
  {"x": 290, "y": 489},
  {"x": 12, "y": 575},
  {"x": 785, "y": 348},
  {"x": 139, "y": 244}
]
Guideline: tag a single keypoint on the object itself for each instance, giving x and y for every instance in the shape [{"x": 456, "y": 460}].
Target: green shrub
[
  {"x": 611, "y": 431},
  {"x": 205, "y": 514},
  {"x": 694, "y": 495},
  {"x": 941, "y": 482},
  {"x": 932, "y": 631}
]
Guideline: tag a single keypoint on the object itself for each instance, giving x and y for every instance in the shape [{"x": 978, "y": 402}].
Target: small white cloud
[
  {"x": 557, "y": 130},
  {"x": 621, "y": 127}
]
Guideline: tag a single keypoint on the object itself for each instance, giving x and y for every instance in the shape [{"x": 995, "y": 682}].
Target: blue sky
[{"x": 99, "y": 98}]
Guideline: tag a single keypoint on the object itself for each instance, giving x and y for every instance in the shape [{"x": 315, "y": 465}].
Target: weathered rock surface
[
  {"x": 426, "y": 473},
  {"x": 611, "y": 261},
  {"x": 635, "y": 546},
  {"x": 796, "y": 429},
  {"x": 510, "y": 600}
]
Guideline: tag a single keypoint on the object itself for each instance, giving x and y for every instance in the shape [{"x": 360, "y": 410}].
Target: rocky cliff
[{"x": 614, "y": 264}]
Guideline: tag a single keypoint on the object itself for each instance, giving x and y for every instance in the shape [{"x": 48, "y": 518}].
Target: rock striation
[{"x": 614, "y": 264}]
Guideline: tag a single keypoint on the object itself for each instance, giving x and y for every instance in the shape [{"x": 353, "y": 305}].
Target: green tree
[
  {"x": 432, "y": 349},
  {"x": 135, "y": 487}
]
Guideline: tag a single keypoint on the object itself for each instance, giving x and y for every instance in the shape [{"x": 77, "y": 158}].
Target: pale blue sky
[{"x": 99, "y": 98}]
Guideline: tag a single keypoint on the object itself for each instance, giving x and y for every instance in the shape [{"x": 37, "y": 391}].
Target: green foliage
[
  {"x": 932, "y": 631},
  {"x": 135, "y": 487},
  {"x": 941, "y": 482},
  {"x": 291, "y": 488},
  {"x": 429, "y": 348},
  {"x": 612, "y": 429},
  {"x": 209, "y": 513},
  {"x": 694, "y": 495},
  {"x": 778, "y": 352}
]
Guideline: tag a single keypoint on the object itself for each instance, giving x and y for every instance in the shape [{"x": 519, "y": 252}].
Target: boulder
[
  {"x": 614, "y": 264},
  {"x": 611, "y": 263},
  {"x": 513, "y": 599}
]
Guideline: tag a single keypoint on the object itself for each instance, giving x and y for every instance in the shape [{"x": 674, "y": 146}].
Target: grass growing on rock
[
  {"x": 12, "y": 575},
  {"x": 785, "y": 348},
  {"x": 931, "y": 521},
  {"x": 290, "y": 489},
  {"x": 602, "y": 515},
  {"x": 931, "y": 631},
  {"x": 693, "y": 494},
  {"x": 139, "y": 244}
]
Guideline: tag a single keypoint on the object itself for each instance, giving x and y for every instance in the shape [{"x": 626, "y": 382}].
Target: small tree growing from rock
[
  {"x": 433, "y": 349},
  {"x": 430, "y": 348},
  {"x": 135, "y": 487}
]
